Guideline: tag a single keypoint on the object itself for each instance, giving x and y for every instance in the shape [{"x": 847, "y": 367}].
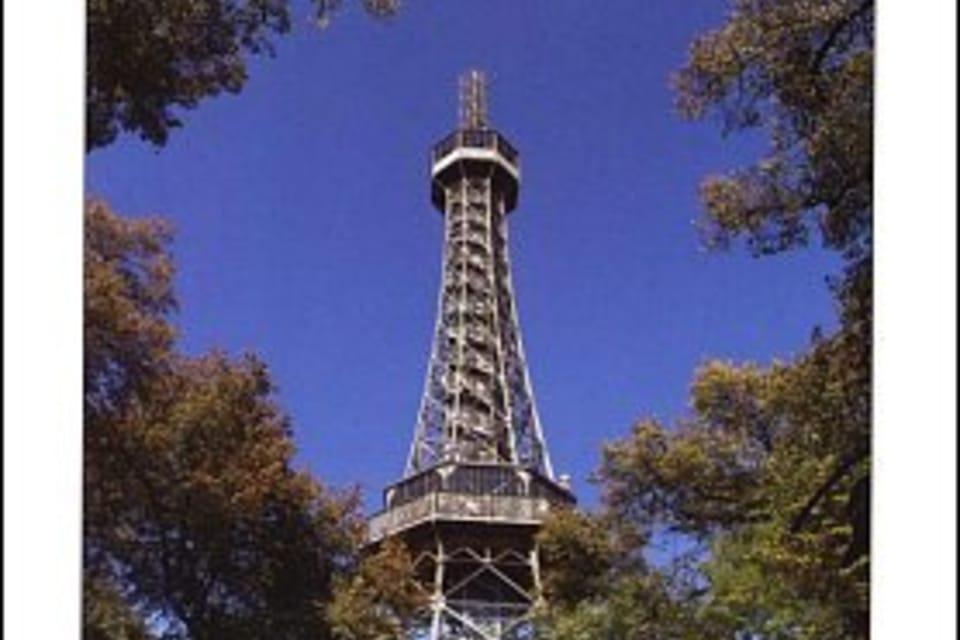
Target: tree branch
[
  {"x": 838, "y": 474},
  {"x": 835, "y": 33}
]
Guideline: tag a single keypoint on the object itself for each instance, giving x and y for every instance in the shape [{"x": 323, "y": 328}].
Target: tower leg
[
  {"x": 436, "y": 597},
  {"x": 535, "y": 572}
]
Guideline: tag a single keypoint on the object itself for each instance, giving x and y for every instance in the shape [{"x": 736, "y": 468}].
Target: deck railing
[
  {"x": 475, "y": 139},
  {"x": 463, "y": 507}
]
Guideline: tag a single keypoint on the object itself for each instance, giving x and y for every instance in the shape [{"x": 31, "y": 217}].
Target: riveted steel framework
[
  {"x": 477, "y": 402},
  {"x": 478, "y": 480}
]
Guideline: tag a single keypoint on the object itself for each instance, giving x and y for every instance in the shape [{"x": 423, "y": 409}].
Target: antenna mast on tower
[{"x": 473, "y": 100}]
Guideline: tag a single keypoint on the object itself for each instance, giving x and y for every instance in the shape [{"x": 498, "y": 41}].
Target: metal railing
[
  {"x": 476, "y": 479},
  {"x": 475, "y": 139},
  {"x": 458, "y": 506}
]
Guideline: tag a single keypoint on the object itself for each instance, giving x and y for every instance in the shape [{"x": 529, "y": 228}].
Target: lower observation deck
[
  {"x": 453, "y": 493},
  {"x": 458, "y": 507}
]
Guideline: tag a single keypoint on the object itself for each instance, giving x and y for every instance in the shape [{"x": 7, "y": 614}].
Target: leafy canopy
[
  {"x": 147, "y": 61},
  {"x": 380, "y": 598},
  {"x": 196, "y": 525},
  {"x": 768, "y": 479}
]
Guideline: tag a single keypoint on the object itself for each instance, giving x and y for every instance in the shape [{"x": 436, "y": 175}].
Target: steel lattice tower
[{"x": 478, "y": 480}]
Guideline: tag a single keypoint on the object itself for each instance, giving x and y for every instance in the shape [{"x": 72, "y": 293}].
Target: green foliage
[
  {"x": 766, "y": 472},
  {"x": 597, "y": 585},
  {"x": 770, "y": 474},
  {"x": 147, "y": 61},
  {"x": 802, "y": 69},
  {"x": 193, "y": 514},
  {"x": 106, "y": 613},
  {"x": 127, "y": 280},
  {"x": 636, "y": 607},
  {"x": 576, "y": 554},
  {"x": 380, "y": 600}
]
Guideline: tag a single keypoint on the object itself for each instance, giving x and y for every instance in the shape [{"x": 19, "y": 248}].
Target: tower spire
[
  {"x": 473, "y": 100},
  {"x": 478, "y": 481}
]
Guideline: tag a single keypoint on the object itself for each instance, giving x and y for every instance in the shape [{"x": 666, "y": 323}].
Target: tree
[
  {"x": 576, "y": 554},
  {"x": 804, "y": 71},
  {"x": 194, "y": 519},
  {"x": 766, "y": 475},
  {"x": 107, "y": 615},
  {"x": 598, "y": 584},
  {"x": 149, "y": 60},
  {"x": 128, "y": 297},
  {"x": 380, "y": 598},
  {"x": 770, "y": 475}
]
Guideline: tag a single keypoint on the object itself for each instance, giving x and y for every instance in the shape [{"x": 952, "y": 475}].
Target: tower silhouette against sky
[{"x": 478, "y": 481}]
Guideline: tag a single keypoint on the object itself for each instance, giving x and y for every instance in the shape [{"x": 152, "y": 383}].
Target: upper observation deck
[{"x": 475, "y": 153}]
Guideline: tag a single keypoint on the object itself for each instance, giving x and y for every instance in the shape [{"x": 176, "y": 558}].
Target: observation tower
[{"x": 478, "y": 481}]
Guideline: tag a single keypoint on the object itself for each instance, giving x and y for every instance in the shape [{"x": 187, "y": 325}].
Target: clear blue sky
[{"x": 305, "y": 232}]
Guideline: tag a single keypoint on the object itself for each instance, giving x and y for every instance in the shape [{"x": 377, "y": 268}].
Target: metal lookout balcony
[
  {"x": 475, "y": 152},
  {"x": 500, "y": 494}
]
